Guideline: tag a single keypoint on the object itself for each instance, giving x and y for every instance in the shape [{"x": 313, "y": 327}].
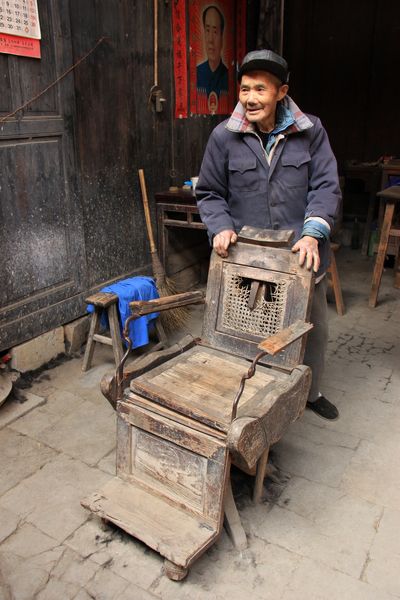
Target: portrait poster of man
[{"x": 212, "y": 56}]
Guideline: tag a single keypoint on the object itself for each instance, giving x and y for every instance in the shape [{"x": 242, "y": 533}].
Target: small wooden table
[
  {"x": 175, "y": 209},
  {"x": 370, "y": 175},
  {"x": 375, "y": 176},
  {"x": 390, "y": 196}
]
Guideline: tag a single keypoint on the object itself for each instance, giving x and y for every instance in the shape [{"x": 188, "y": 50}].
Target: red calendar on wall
[{"x": 20, "y": 28}]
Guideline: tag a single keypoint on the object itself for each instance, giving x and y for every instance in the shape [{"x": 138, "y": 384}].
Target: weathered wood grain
[
  {"x": 266, "y": 237},
  {"x": 169, "y": 530},
  {"x": 142, "y": 307},
  {"x": 277, "y": 342}
]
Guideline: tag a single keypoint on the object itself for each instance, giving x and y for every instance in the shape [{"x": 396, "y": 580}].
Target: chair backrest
[{"x": 253, "y": 293}]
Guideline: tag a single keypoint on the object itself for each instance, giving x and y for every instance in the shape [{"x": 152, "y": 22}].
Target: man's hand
[
  {"x": 307, "y": 247},
  {"x": 223, "y": 240}
]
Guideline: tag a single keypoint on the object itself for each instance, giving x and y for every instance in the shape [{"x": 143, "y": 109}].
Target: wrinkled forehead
[{"x": 254, "y": 78}]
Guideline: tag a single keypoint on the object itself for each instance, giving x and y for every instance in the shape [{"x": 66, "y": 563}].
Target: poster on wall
[
  {"x": 217, "y": 43},
  {"x": 212, "y": 56},
  {"x": 20, "y": 28}
]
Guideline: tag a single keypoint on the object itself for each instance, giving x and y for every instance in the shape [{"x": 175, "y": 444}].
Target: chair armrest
[
  {"x": 277, "y": 342},
  {"x": 139, "y": 308},
  {"x": 272, "y": 345}
]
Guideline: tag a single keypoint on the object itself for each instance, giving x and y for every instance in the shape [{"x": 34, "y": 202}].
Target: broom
[{"x": 176, "y": 317}]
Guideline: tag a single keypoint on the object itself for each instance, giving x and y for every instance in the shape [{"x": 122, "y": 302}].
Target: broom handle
[{"x": 146, "y": 210}]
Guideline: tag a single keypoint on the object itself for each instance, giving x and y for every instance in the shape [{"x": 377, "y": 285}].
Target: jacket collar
[{"x": 238, "y": 122}]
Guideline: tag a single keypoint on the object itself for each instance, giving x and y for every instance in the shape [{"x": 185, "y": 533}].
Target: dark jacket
[{"x": 237, "y": 186}]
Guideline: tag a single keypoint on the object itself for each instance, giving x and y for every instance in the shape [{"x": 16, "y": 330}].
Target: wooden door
[{"x": 42, "y": 244}]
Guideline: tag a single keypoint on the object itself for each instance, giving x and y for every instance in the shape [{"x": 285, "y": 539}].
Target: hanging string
[{"x": 78, "y": 62}]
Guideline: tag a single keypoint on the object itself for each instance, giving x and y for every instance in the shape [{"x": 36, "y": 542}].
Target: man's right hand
[{"x": 223, "y": 240}]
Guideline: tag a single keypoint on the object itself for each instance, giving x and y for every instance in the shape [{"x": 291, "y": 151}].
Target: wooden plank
[
  {"x": 190, "y": 408},
  {"x": 103, "y": 339},
  {"x": 157, "y": 409},
  {"x": 159, "y": 425},
  {"x": 102, "y": 299},
  {"x": 169, "y": 469},
  {"x": 281, "y": 260},
  {"x": 89, "y": 350},
  {"x": 169, "y": 530},
  {"x": 380, "y": 257},
  {"x": 335, "y": 281},
  {"x": 276, "y": 343},
  {"x": 216, "y": 479},
  {"x": 115, "y": 332},
  {"x": 108, "y": 383},
  {"x": 233, "y": 523},
  {"x": 142, "y": 307},
  {"x": 123, "y": 455},
  {"x": 205, "y": 379},
  {"x": 266, "y": 237},
  {"x": 260, "y": 476},
  {"x": 187, "y": 386}
]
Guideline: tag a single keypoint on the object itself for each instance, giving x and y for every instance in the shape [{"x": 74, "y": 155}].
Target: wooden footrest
[{"x": 176, "y": 534}]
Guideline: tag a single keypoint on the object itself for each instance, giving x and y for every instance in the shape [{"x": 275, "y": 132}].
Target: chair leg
[
  {"x": 337, "y": 289},
  {"x": 262, "y": 465},
  {"x": 397, "y": 265},
  {"x": 115, "y": 333},
  {"x": 380, "y": 257},
  {"x": 233, "y": 523},
  {"x": 94, "y": 328}
]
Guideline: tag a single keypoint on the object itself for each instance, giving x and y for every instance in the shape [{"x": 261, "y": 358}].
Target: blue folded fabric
[{"x": 128, "y": 290}]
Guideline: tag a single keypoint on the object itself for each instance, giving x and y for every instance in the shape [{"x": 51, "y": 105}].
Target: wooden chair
[{"x": 185, "y": 413}]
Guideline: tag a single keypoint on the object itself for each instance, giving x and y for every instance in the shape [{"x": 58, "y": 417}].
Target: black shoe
[{"x": 323, "y": 408}]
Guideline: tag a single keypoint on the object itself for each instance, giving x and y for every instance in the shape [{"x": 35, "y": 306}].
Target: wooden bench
[{"x": 109, "y": 302}]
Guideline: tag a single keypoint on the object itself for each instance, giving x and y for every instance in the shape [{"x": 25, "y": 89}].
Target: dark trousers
[{"x": 317, "y": 340}]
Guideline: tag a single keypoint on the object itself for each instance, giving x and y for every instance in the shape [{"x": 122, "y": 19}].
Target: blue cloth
[
  {"x": 128, "y": 290},
  {"x": 315, "y": 229},
  {"x": 284, "y": 119}
]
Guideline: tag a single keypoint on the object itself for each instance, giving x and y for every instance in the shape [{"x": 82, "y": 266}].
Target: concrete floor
[{"x": 330, "y": 532}]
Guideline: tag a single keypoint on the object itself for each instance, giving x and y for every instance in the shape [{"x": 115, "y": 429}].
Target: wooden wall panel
[
  {"x": 92, "y": 131},
  {"x": 118, "y": 132},
  {"x": 42, "y": 261},
  {"x": 33, "y": 221},
  {"x": 343, "y": 58}
]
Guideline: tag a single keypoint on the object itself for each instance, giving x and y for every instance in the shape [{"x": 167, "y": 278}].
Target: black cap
[{"x": 265, "y": 60}]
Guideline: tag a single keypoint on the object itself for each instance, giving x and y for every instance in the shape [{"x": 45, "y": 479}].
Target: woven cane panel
[{"x": 266, "y": 318}]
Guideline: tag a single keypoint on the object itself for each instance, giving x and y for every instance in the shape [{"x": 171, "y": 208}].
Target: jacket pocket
[
  {"x": 243, "y": 174},
  {"x": 294, "y": 170}
]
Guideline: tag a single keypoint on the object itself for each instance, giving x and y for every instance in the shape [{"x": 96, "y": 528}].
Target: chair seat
[{"x": 202, "y": 384}]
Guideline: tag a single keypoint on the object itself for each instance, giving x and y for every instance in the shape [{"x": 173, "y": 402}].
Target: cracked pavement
[{"x": 327, "y": 530}]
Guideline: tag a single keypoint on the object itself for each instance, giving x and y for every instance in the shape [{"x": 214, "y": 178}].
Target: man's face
[
  {"x": 213, "y": 35},
  {"x": 259, "y": 93}
]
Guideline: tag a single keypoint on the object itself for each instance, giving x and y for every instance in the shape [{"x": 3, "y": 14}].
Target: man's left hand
[{"x": 307, "y": 247}]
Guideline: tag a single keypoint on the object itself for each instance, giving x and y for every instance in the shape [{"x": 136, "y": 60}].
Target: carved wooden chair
[{"x": 185, "y": 413}]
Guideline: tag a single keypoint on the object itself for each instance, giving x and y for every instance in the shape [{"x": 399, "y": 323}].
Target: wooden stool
[
  {"x": 334, "y": 281},
  {"x": 390, "y": 196},
  {"x": 109, "y": 302}
]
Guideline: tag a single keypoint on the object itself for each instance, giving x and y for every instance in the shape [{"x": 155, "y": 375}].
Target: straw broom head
[{"x": 176, "y": 317}]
